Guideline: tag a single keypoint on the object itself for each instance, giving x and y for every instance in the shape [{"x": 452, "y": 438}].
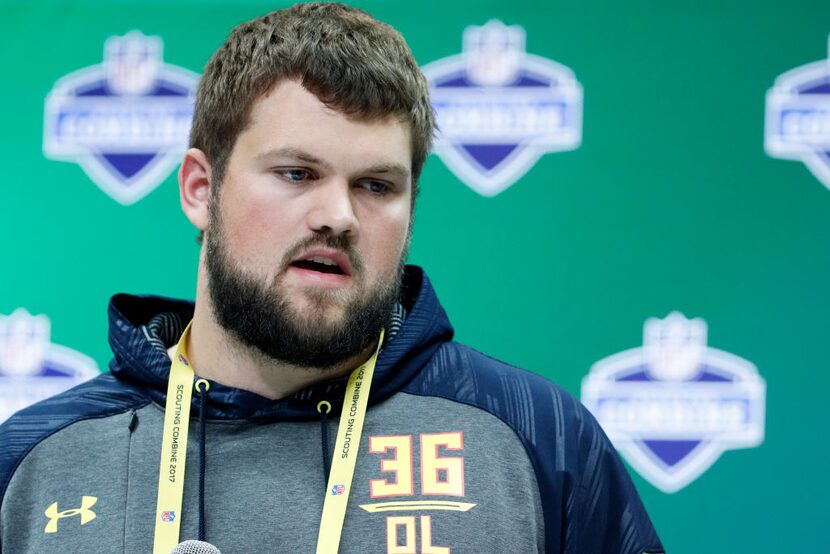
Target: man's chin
[
  {"x": 321, "y": 305},
  {"x": 316, "y": 318},
  {"x": 317, "y": 309}
]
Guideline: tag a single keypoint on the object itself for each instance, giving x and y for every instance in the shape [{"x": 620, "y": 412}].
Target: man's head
[
  {"x": 311, "y": 128},
  {"x": 349, "y": 60}
]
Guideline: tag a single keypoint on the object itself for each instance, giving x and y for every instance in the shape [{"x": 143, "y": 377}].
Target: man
[{"x": 311, "y": 128}]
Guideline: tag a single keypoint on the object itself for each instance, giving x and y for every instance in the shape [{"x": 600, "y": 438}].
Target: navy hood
[{"x": 141, "y": 363}]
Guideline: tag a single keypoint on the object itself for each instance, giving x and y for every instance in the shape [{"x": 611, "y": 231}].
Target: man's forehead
[
  {"x": 359, "y": 114},
  {"x": 291, "y": 123}
]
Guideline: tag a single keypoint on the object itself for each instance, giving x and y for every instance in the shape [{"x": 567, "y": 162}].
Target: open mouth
[{"x": 320, "y": 264}]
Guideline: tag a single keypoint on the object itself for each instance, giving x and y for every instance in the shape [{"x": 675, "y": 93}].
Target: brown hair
[{"x": 349, "y": 60}]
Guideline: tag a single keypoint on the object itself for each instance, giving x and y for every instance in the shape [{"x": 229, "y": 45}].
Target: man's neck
[{"x": 218, "y": 356}]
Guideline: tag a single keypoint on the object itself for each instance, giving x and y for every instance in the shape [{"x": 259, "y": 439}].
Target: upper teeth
[{"x": 321, "y": 260}]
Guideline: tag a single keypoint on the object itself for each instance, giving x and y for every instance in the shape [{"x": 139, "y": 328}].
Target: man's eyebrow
[
  {"x": 393, "y": 169},
  {"x": 292, "y": 153}
]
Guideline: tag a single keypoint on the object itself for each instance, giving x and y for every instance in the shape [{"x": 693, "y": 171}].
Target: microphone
[{"x": 195, "y": 547}]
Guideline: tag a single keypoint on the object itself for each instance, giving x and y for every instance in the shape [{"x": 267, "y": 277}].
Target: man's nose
[{"x": 332, "y": 210}]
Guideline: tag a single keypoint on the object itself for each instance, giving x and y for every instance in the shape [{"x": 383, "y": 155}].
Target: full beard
[{"x": 260, "y": 316}]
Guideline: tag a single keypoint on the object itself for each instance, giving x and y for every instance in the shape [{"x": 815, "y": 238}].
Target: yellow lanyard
[
  {"x": 346, "y": 448},
  {"x": 174, "y": 452}
]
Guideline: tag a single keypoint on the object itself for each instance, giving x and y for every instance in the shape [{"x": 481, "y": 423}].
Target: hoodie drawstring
[
  {"x": 323, "y": 408},
  {"x": 202, "y": 387}
]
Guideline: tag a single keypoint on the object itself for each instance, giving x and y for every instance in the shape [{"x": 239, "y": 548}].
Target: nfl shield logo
[
  {"x": 168, "y": 516},
  {"x": 674, "y": 406},
  {"x": 798, "y": 118},
  {"x": 499, "y": 109},
  {"x": 31, "y": 366},
  {"x": 125, "y": 122},
  {"x": 338, "y": 490}
]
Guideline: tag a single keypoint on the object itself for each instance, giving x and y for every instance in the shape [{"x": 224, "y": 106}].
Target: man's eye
[
  {"x": 294, "y": 175},
  {"x": 377, "y": 187}
]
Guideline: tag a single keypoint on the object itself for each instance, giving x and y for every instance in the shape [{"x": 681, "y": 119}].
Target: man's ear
[{"x": 194, "y": 187}]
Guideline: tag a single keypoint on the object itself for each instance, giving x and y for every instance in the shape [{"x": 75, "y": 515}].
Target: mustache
[{"x": 339, "y": 242}]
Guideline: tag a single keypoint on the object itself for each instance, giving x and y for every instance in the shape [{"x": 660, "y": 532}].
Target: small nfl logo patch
[
  {"x": 168, "y": 516},
  {"x": 337, "y": 490},
  {"x": 183, "y": 360}
]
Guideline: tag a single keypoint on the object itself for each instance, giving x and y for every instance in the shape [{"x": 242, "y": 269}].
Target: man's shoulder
[
  {"x": 519, "y": 397},
  {"x": 573, "y": 459},
  {"x": 489, "y": 367},
  {"x": 99, "y": 397},
  {"x": 550, "y": 421},
  {"x": 454, "y": 365}
]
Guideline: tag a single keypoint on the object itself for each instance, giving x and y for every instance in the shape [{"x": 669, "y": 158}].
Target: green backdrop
[{"x": 670, "y": 203}]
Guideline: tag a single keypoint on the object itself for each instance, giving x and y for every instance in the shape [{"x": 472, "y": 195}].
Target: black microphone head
[{"x": 195, "y": 547}]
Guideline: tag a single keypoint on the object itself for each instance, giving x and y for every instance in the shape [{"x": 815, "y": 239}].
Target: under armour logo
[{"x": 84, "y": 511}]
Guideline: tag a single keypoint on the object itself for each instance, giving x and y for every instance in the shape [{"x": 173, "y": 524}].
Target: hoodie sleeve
[
  {"x": 589, "y": 502},
  {"x": 603, "y": 512}
]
